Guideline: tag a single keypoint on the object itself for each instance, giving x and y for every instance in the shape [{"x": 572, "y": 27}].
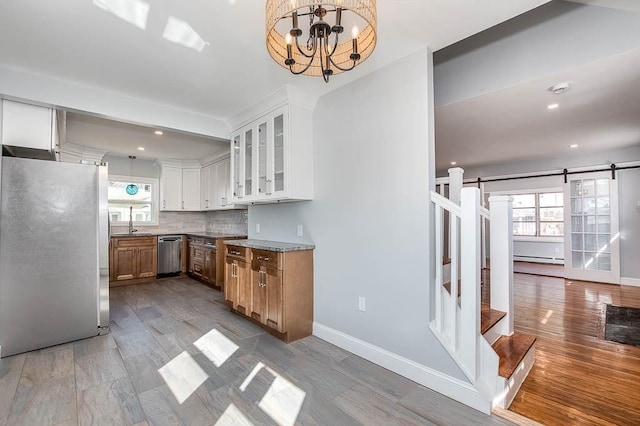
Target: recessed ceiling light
[
  {"x": 141, "y": 148},
  {"x": 158, "y": 132},
  {"x": 575, "y": 145},
  {"x": 453, "y": 163},
  {"x": 553, "y": 106}
]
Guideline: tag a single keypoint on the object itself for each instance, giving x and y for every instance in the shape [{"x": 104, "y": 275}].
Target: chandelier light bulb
[
  {"x": 354, "y": 32},
  {"x": 288, "y": 38}
]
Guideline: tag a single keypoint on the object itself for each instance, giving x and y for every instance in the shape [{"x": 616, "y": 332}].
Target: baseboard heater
[{"x": 540, "y": 259}]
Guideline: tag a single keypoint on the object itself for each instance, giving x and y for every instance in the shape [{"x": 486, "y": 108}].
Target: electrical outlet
[
  {"x": 257, "y": 228},
  {"x": 557, "y": 249},
  {"x": 362, "y": 304},
  {"x": 300, "y": 232}
]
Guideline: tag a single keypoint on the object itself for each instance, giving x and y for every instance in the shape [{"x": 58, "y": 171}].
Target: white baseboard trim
[
  {"x": 634, "y": 282},
  {"x": 456, "y": 389}
]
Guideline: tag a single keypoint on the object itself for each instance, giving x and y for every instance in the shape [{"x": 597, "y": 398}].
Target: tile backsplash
[
  {"x": 228, "y": 221},
  {"x": 171, "y": 222}
]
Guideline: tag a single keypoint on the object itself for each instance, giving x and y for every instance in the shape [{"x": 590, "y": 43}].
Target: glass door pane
[
  {"x": 278, "y": 152},
  {"x": 592, "y": 247},
  {"x": 237, "y": 182},
  {"x": 262, "y": 158},
  {"x": 248, "y": 162}
]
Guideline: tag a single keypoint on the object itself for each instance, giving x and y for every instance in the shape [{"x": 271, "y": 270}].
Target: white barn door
[{"x": 592, "y": 246}]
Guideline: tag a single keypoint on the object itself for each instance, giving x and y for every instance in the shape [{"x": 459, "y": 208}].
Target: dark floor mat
[{"x": 623, "y": 325}]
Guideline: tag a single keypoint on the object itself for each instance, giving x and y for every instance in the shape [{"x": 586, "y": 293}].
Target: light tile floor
[{"x": 177, "y": 356}]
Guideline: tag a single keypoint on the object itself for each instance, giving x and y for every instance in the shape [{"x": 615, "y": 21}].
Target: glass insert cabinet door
[
  {"x": 237, "y": 173},
  {"x": 263, "y": 176},
  {"x": 592, "y": 247},
  {"x": 248, "y": 159},
  {"x": 278, "y": 153}
]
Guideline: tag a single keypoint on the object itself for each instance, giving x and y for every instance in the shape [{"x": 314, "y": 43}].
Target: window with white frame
[
  {"x": 134, "y": 197},
  {"x": 538, "y": 214}
]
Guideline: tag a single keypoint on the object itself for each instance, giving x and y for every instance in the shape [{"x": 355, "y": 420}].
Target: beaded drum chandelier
[{"x": 306, "y": 36}]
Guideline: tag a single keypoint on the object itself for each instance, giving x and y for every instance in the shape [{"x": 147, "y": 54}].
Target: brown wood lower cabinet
[
  {"x": 206, "y": 259},
  {"x": 276, "y": 291},
  {"x": 132, "y": 260}
]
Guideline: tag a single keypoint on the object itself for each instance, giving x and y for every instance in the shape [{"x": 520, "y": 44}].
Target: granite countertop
[
  {"x": 190, "y": 233},
  {"x": 215, "y": 234},
  {"x": 270, "y": 245}
]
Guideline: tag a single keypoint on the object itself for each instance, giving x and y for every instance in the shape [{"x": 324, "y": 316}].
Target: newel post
[
  {"x": 501, "y": 256},
  {"x": 470, "y": 276}
]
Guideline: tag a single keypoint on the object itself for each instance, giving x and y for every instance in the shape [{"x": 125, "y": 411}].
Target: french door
[{"x": 592, "y": 247}]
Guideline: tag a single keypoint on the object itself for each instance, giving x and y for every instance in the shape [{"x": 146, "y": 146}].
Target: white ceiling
[
  {"x": 122, "y": 139},
  {"x": 77, "y": 41},
  {"x": 601, "y": 111}
]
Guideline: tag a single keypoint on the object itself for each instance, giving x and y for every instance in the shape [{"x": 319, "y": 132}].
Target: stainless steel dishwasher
[{"x": 169, "y": 255}]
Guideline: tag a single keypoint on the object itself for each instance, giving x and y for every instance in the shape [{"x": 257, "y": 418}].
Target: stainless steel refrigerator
[{"x": 54, "y": 261}]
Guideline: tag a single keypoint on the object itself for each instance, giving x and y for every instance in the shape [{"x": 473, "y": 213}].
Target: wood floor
[
  {"x": 578, "y": 378},
  {"x": 176, "y": 355}
]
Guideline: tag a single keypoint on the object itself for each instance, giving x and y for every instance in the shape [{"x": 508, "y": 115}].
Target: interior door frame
[{"x": 612, "y": 276}]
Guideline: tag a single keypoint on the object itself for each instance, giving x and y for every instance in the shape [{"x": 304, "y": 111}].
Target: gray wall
[
  {"x": 123, "y": 166},
  {"x": 629, "y": 196},
  {"x": 373, "y": 165},
  {"x": 602, "y": 158},
  {"x": 553, "y": 37}
]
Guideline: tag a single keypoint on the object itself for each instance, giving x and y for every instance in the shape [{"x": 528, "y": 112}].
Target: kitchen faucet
[{"x": 131, "y": 230}]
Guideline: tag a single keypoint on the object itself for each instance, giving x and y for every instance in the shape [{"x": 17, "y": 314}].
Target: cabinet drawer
[
  {"x": 197, "y": 268},
  {"x": 134, "y": 242},
  {"x": 240, "y": 253},
  {"x": 269, "y": 259},
  {"x": 196, "y": 240},
  {"x": 198, "y": 253}
]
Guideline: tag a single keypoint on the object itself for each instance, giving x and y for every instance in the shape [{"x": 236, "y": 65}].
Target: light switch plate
[
  {"x": 257, "y": 228},
  {"x": 300, "y": 231}
]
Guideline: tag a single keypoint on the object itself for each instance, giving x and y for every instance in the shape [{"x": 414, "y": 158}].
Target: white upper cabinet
[
  {"x": 272, "y": 158},
  {"x": 28, "y": 126},
  {"x": 208, "y": 187},
  {"x": 179, "y": 187},
  {"x": 216, "y": 186},
  {"x": 191, "y": 189}
]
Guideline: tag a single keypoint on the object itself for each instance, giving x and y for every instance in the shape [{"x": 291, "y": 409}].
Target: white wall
[
  {"x": 22, "y": 85},
  {"x": 373, "y": 168},
  {"x": 122, "y": 166}
]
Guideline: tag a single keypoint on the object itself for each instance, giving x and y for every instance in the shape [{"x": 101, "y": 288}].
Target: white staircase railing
[{"x": 457, "y": 314}]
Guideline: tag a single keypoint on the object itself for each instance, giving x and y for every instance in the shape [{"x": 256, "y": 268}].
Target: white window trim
[
  {"x": 536, "y": 191},
  {"x": 154, "y": 197}
]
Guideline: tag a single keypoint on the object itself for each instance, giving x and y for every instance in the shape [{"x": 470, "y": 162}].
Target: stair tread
[
  {"x": 489, "y": 317},
  {"x": 512, "y": 350}
]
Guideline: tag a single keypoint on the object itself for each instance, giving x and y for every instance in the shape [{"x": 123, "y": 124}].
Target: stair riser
[
  {"x": 494, "y": 333},
  {"x": 508, "y": 388}
]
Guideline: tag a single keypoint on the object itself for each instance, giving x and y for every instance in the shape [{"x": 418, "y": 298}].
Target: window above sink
[{"x": 138, "y": 193}]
